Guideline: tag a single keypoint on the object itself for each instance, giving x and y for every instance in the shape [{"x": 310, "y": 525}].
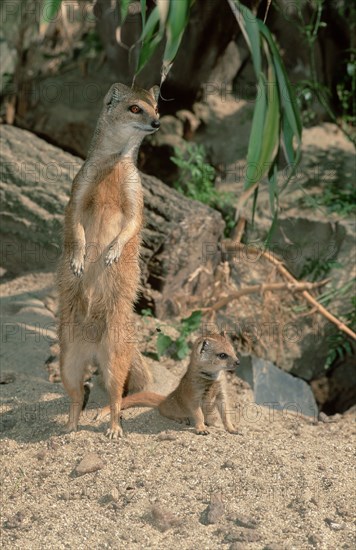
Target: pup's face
[{"x": 215, "y": 354}]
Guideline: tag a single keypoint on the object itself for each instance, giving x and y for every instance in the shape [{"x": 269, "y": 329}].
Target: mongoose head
[
  {"x": 133, "y": 110},
  {"x": 213, "y": 354}
]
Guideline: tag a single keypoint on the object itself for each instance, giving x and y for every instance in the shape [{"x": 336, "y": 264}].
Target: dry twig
[
  {"x": 284, "y": 271},
  {"x": 263, "y": 288}
]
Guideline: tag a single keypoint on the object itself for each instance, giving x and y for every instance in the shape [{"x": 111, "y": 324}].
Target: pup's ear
[
  {"x": 154, "y": 92},
  {"x": 116, "y": 94},
  {"x": 204, "y": 346}
]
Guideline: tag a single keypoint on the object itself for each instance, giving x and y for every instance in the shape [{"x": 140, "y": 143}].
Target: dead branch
[
  {"x": 274, "y": 287},
  {"x": 238, "y": 230},
  {"x": 284, "y": 271}
]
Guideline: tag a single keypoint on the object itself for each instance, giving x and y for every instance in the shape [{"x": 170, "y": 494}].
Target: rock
[
  {"x": 41, "y": 455},
  {"x": 7, "y": 377},
  {"x": 15, "y": 521},
  {"x": 237, "y": 546},
  {"x": 162, "y": 519},
  {"x": 89, "y": 464},
  {"x": 36, "y": 180},
  {"x": 315, "y": 541},
  {"x": 166, "y": 436},
  {"x": 275, "y": 388},
  {"x": 334, "y": 525},
  {"x": 241, "y": 536},
  {"x": 229, "y": 464},
  {"x": 115, "y": 495},
  {"x": 245, "y": 521},
  {"x": 215, "y": 510}
]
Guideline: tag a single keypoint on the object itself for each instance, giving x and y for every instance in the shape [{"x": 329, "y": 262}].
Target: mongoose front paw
[
  {"x": 113, "y": 255},
  {"x": 232, "y": 430},
  {"x": 202, "y": 431},
  {"x": 114, "y": 433},
  {"x": 77, "y": 266}
]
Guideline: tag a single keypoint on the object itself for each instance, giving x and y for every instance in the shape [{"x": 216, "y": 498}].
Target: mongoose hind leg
[
  {"x": 73, "y": 372},
  {"x": 139, "y": 376},
  {"x": 115, "y": 374},
  {"x": 223, "y": 407}
]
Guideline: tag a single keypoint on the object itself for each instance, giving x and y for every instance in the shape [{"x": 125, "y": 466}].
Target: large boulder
[
  {"x": 276, "y": 389},
  {"x": 35, "y": 183}
]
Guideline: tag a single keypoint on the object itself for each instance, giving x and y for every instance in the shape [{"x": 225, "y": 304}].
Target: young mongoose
[
  {"x": 98, "y": 274},
  {"x": 202, "y": 388}
]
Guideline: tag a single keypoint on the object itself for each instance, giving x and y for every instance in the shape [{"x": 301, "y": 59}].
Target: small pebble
[
  {"x": 215, "y": 509},
  {"x": 7, "y": 377},
  {"x": 162, "y": 519},
  {"x": 89, "y": 464},
  {"x": 229, "y": 465},
  {"x": 166, "y": 436}
]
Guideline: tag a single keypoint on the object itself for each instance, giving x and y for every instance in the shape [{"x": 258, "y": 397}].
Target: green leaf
[
  {"x": 191, "y": 323},
  {"x": 50, "y": 9},
  {"x": 176, "y": 23},
  {"x": 124, "y": 6},
  {"x": 163, "y": 343},
  {"x": 272, "y": 187},
  {"x": 249, "y": 26},
  {"x": 151, "y": 37},
  {"x": 287, "y": 96},
  {"x": 143, "y": 12},
  {"x": 163, "y": 9},
  {"x": 151, "y": 25},
  {"x": 270, "y": 137},
  {"x": 181, "y": 347},
  {"x": 256, "y": 135}
]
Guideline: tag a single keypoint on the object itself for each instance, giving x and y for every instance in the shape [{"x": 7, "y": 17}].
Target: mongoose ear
[
  {"x": 116, "y": 94},
  {"x": 154, "y": 91},
  {"x": 204, "y": 346}
]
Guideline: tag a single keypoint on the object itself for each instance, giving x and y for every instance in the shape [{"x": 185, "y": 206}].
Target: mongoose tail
[{"x": 140, "y": 399}]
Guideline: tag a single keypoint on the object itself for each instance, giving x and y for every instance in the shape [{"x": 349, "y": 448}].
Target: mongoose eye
[
  {"x": 135, "y": 109},
  {"x": 222, "y": 356},
  {"x": 156, "y": 110}
]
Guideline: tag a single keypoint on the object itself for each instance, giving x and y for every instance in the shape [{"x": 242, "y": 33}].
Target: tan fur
[
  {"x": 202, "y": 388},
  {"x": 98, "y": 274}
]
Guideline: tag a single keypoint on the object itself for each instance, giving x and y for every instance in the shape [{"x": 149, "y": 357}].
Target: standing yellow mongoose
[
  {"x": 98, "y": 274},
  {"x": 202, "y": 388}
]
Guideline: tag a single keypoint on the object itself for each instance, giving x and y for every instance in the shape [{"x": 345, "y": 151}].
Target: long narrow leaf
[
  {"x": 256, "y": 135},
  {"x": 143, "y": 12},
  {"x": 271, "y": 128},
  {"x": 287, "y": 95},
  {"x": 50, "y": 9},
  {"x": 152, "y": 35},
  {"x": 176, "y": 22},
  {"x": 124, "y": 7},
  {"x": 252, "y": 30},
  {"x": 164, "y": 7},
  {"x": 249, "y": 29},
  {"x": 272, "y": 187},
  {"x": 151, "y": 24}
]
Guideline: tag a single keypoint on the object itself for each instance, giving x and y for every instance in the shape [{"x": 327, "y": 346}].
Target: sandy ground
[{"x": 284, "y": 482}]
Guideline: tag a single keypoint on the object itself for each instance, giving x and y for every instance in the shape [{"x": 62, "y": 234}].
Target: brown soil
[{"x": 285, "y": 482}]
